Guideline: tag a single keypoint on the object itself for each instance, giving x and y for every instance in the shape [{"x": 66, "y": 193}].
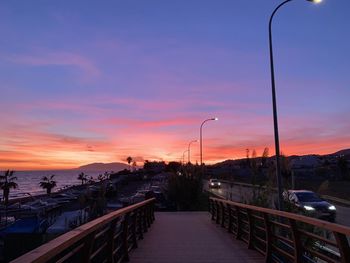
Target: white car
[{"x": 214, "y": 183}]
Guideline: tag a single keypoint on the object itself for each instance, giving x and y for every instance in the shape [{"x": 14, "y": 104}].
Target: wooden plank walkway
[{"x": 190, "y": 237}]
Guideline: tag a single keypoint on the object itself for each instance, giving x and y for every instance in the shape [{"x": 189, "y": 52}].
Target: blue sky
[{"x": 83, "y": 80}]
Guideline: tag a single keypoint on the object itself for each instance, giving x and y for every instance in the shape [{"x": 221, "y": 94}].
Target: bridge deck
[{"x": 190, "y": 237}]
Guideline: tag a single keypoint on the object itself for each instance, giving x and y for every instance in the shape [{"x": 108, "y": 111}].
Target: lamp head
[
  {"x": 215, "y": 119},
  {"x": 315, "y": 1}
]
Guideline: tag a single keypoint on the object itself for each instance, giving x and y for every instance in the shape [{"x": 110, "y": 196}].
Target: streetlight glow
[{"x": 315, "y": 1}]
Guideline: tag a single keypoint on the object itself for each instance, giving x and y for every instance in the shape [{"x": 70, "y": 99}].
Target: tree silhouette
[
  {"x": 48, "y": 183},
  {"x": 254, "y": 167},
  {"x": 7, "y": 182},
  {"x": 91, "y": 180},
  {"x": 134, "y": 166},
  {"x": 129, "y": 160},
  {"x": 247, "y": 157},
  {"x": 83, "y": 178},
  {"x": 100, "y": 177},
  {"x": 343, "y": 168},
  {"x": 265, "y": 156}
]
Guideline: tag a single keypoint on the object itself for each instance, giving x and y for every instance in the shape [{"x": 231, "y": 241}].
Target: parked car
[
  {"x": 214, "y": 183},
  {"x": 311, "y": 204}
]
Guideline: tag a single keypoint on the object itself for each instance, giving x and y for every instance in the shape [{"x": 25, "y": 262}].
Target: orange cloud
[{"x": 110, "y": 131}]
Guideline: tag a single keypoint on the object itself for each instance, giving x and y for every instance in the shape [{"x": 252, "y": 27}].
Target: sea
[{"x": 28, "y": 181}]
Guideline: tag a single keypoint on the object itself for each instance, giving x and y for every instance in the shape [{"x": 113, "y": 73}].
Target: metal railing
[
  {"x": 105, "y": 239},
  {"x": 282, "y": 236}
]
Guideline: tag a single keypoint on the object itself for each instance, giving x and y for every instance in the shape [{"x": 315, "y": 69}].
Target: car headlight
[
  {"x": 309, "y": 208},
  {"x": 332, "y": 207},
  {"x": 219, "y": 183},
  {"x": 212, "y": 184}
]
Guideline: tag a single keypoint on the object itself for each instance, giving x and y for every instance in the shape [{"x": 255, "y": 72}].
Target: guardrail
[
  {"x": 105, "y": 239},
  {"x": 282, "y": 236},
  {"x": 337, "y": 200}
]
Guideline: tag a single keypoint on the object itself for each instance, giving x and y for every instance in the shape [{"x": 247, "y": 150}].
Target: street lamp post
[
  {"x": 201, "y": 139},
  {"x": 274, "y": 106},
  {"x": 189, "y": 150},
  {"x": 183, "y": 156}
]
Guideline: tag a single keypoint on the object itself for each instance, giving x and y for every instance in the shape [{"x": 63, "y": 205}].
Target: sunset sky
[{"x": 97, "y": 81}]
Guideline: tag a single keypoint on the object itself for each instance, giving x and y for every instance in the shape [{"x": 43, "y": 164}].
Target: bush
[{"x": 186, "y": 192}]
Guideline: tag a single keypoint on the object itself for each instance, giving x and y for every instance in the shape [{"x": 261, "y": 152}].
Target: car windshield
[
  {"x": 214, "y": 180},
  {"x": 308, "y": 197}
]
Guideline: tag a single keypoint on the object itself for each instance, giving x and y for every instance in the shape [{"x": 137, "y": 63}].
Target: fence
[
  {"x": 105, "y": 239},
  {"x": 282, "y": 236}
]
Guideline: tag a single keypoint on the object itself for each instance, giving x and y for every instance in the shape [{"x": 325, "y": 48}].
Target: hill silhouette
[{"x": 115, "y": 167}]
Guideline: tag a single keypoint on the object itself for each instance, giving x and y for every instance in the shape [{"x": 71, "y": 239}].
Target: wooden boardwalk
[{"x": 190, "y": 237}]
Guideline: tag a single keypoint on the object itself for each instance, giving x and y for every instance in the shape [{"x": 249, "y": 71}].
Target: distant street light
[
  {"x": 201, "y": 139},
  {"x": 183, "y": 156},
  {"x": 274, "y": 106},
  {"x": 189, "y": 150}
]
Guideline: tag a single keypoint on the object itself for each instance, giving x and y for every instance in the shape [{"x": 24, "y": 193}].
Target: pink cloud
[{"x": 58, "y": 58}]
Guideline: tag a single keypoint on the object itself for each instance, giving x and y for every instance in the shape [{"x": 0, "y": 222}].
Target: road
[{"x": 242, "y": 193}]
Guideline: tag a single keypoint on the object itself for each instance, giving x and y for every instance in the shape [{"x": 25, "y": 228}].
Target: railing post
[
  {"x": 343, "y": 246},
  {"x": 217, "y": 212},
  {"x": 144, "y": 220},
  {"x": 229, "y": 227},
  {"x": 87, "y": 248},
  {"x": 296, "y": 241},
  {"x": 148, "y": 215},
  {"x": 140, "y": 223},
  {"x": 251, "y": 230},
  {"x": 211, "y": 208},
  {"x": 222, "y": 215},
  {"x": 152, "y": 212},
  {"x": 214, "y": 206},
  {"x": 268, "y": 250},
  {"x": 110, "y": 241},
  {"x": 125, "y": 237},
  {"x": 238, "y": 223},
  {"x": 134, "y": 235}
]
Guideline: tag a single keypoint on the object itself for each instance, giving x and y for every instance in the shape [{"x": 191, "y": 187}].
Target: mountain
[
  {"x": 344, "y": 152},
  {"x": 103, "y": 167},
  {"x": 307, "y": 157}
]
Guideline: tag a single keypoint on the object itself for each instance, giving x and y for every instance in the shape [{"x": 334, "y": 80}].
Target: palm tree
[
  {"x": 91, "y": 180},
  {"x": 129, "y": 159},
  {"x": 101, "y": 177},
  {"x": 7, "y": 182},
  {"x": 48, "y": 183},
  {"x": 134, "y": 166},
  {"x": 83, "y": 178}
]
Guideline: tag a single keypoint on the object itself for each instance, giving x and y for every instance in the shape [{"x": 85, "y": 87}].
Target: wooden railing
[
  {"x": 282, "y": 236},
  {"x": 105, "y": 239}
]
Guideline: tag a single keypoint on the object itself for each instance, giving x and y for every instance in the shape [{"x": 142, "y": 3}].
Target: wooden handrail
[
  {"x": 308, "y": 220},
  {"x": 289, "y": 237},
  {"x": 50, "y": 250}
]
